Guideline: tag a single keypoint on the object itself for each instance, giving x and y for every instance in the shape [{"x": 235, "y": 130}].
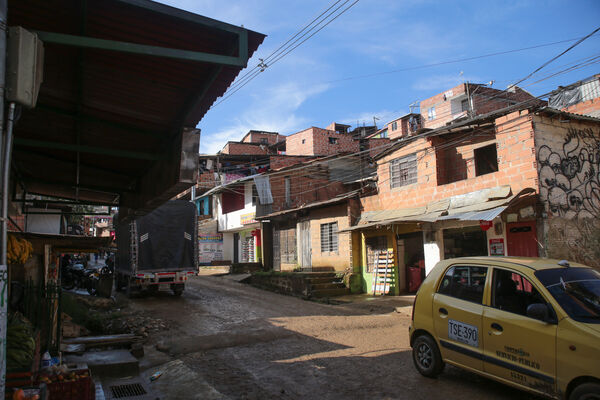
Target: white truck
[{"x": 158, "y": 251}]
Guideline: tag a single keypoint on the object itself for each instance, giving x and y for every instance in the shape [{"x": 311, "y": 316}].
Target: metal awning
[
  {"x": 125, "y": 84},
  {"x": 474, "y": 206}
]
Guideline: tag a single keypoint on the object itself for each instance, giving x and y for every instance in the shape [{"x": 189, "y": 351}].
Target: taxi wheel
[
  {"x": 586, "y": 391},
  {"x": 427, "y": 357}
]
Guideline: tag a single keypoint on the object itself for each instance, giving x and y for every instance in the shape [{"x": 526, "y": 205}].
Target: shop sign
[
  {"x": 246, "y": 219},
  {"x": 485, "y": 225},
  {"x": 497, "y": 247},
  {"x": 210, "y": 248}
]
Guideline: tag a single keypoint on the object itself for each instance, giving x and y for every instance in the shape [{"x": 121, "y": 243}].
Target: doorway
[
  {"x": 521, "y": 238},
  {"x": 411, "y": 261},
  {"x": 305, "y": 247}
]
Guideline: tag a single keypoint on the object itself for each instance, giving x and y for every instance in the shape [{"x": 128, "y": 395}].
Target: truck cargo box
[{"x": 166, "y": 240}]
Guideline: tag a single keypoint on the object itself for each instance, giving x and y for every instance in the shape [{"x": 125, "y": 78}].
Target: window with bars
[
  {"x": 329, "y": 237},
  {"x": 403, "y": 171}
]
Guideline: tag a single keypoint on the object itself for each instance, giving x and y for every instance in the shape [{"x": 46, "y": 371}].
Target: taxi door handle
[
  {"x": 443, "y": 311},
  {"x": 497, "y": 327}
]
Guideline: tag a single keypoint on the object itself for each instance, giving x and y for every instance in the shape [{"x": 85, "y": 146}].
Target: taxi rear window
[{"x": 577, "y": 290}]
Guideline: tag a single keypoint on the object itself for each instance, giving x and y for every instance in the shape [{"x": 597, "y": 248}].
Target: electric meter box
[{"x": 24, "y": 66}]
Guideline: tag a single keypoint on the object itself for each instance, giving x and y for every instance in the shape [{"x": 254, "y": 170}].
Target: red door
[{"x": 521, "y": 239}]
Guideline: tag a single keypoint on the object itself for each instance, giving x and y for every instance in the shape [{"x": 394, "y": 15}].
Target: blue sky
[{"x": 308, "y": 87}]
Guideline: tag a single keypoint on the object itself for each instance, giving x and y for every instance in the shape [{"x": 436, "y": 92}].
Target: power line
[
  {"x": 556, "y": 57},
  {"x": 282, "y": 47},
  {"x": 291, "y": 47},
  {"x": 458, "y": 60}
]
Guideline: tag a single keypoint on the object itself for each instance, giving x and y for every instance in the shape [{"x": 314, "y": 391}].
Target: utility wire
[
  {"x": 556, "y": 57},
  {"x": 290, "y": 48},
  {"x": 266, "y": 59}
]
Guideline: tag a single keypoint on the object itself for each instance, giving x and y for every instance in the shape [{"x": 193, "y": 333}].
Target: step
[
  {"x": 329, "y": 279},
  {"x": 328, "y": 285},
  {"x": 331, "y": 292},
  {"x": 317, "y": 274},
  {"x": 108, "y": 363}
]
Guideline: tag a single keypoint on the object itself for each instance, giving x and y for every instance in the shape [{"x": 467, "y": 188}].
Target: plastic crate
[{"x": 80, "y": 389}]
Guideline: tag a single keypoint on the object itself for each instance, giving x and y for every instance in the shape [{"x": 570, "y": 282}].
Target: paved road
[{"x": 229, "y": 340}]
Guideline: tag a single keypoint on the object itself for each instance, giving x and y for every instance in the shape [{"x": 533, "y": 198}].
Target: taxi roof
[{"x": 534, "y": 263}]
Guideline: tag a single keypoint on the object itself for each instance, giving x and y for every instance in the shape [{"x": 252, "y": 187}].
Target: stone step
[
  {"x": 317, "y": 274},
  {"x": 327, "y": 285},
  {"x": 108, "y": 363},
  {"x": 329, "y": 279},
  {"x": 331, "y": 292}
]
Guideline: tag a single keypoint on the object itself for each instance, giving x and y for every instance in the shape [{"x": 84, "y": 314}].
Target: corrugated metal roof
[
  {"x": 313, "y": 205},
  {"x": 474, "y": 206},
  {"x": 123, "y": 112}
]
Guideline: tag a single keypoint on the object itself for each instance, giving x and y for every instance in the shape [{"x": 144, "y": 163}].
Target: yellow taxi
[{"x": 531, "y": 323}]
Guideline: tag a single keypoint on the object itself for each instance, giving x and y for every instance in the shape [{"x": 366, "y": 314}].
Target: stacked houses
[{"x": 476, "y": 171}]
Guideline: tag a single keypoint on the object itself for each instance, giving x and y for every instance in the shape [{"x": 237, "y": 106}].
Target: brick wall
[
  {"x": 315, "y": 141},
  {"x": 586, "y": 107},
  {"x": 448, "y": 104},
  {"x": 516, "y": 163},
  {"x": 377, "y": 145},
  {"x": 243, "y": 148},
  {"x": 443, "y": 107}
]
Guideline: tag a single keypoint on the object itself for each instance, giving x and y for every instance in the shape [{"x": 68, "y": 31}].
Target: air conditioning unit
[{"x": 24, "y": 66}]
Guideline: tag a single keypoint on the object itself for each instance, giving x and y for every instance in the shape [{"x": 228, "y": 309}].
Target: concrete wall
[
  {"x": 235, "y": 220},
  {"x": 568, "y": 159},
  {"x": 341, "y": 259},
  {"x": 256, "y": 137}
]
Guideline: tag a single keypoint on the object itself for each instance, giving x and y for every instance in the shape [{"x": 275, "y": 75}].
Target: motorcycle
[
  {"x": 73, "y": 275},
  {"x": 99, "y": 282}
]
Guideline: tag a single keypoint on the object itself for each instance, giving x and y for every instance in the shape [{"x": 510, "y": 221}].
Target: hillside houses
[{"x": 476, "y": 171}]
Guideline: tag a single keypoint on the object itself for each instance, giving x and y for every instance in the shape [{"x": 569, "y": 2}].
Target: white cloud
[
  {"x": 439, "y": 83},
  {"x": 275, "y": 110},
  {"x": 366, "y": 118}
]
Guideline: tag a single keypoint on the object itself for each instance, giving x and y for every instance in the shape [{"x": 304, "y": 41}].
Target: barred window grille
[
  {"x": 329, "y": 237},
  {"x": 403, "y": 171}
]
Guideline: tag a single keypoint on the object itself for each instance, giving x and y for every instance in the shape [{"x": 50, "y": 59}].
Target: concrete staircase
[{"x": 325, "y": 284}]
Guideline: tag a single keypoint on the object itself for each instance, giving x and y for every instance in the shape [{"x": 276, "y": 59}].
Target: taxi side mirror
[{"x": 538, "y": 311}]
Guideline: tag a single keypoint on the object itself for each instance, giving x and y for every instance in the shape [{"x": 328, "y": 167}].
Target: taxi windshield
[{"x": 577, "y": 290}]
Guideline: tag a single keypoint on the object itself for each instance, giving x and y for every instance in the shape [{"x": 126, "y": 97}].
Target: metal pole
[{"x": 3, "y": 265}]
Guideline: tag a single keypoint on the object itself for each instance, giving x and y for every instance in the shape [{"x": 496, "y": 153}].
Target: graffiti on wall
[{"x": 570, "y": 177}]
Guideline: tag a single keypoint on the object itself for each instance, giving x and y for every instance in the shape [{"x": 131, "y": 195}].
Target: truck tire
[
  {"x": 128, "y": 289},
  {"x": 118, "y": 285},
  {"x": 177, "y": 289}
]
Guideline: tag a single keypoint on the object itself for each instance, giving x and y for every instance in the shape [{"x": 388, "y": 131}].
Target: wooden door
[{"x": 305, "y": 247}]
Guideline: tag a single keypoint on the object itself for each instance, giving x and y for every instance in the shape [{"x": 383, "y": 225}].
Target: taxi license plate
[
  {"x": 464, "y": 333},
  {"x": 164, "y": 288}
]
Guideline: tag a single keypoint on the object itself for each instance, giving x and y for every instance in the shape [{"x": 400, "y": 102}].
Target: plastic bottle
[{"x": 46, "y": 361}]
